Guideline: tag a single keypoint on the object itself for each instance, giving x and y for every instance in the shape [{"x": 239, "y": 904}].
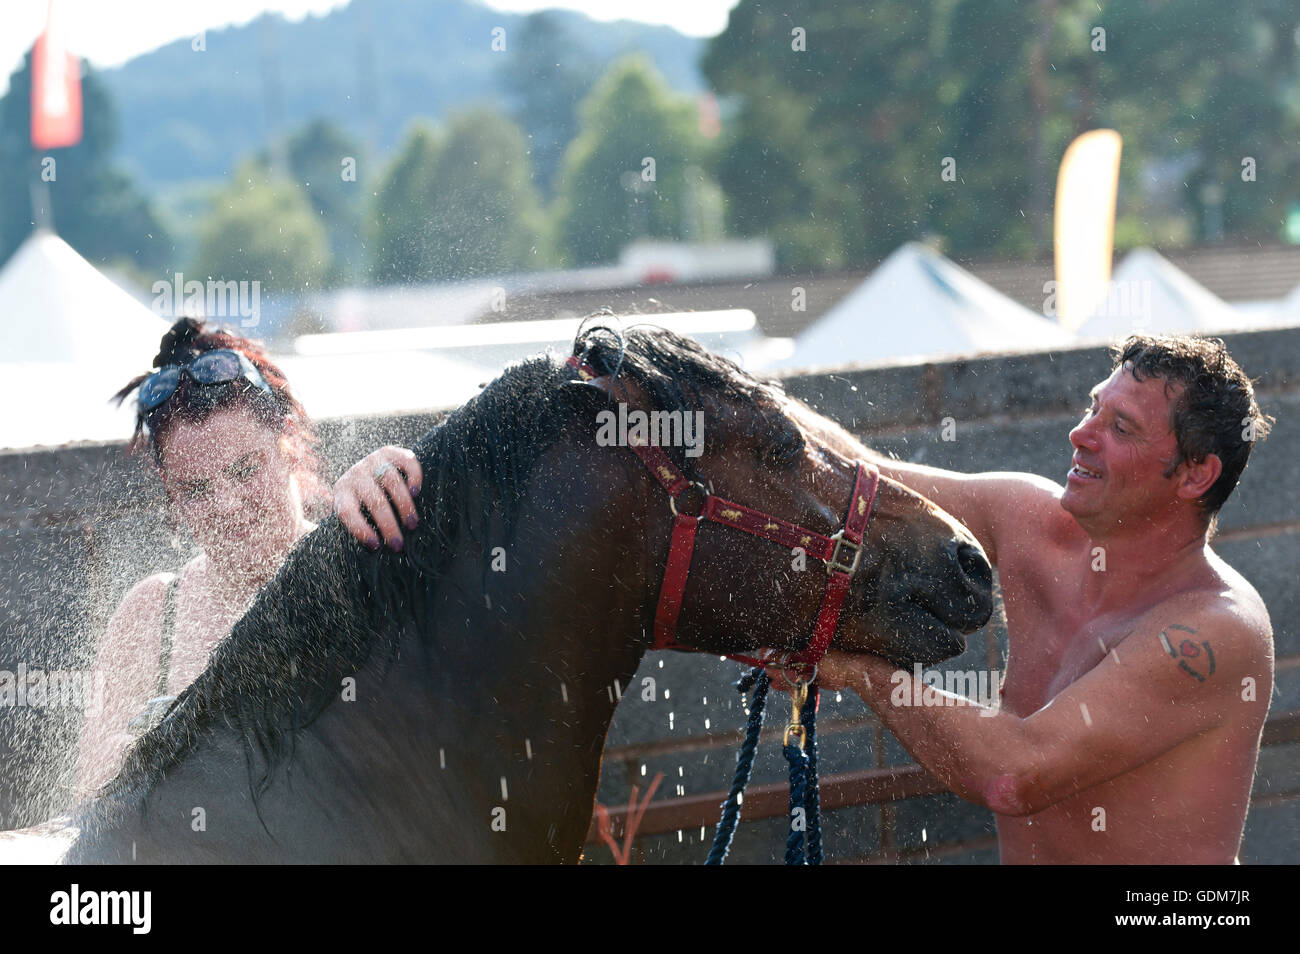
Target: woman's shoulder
[{"x": 145, "y": 598}]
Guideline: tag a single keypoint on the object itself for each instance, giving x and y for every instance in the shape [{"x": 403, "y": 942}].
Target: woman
[{"x": 236, "y": 453}]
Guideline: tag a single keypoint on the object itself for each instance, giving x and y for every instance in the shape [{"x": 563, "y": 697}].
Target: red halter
[{"x": 839, "y": 552}]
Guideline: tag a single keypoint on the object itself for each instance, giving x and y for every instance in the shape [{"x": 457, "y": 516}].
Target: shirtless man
[{"x": 1140, "y": 665}]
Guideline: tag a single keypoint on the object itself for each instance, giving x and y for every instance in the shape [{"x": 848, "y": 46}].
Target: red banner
[{"x": 56, "y": 90}]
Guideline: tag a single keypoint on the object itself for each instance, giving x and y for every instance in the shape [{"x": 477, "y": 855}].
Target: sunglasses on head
[{"x": 209, "y": 368}]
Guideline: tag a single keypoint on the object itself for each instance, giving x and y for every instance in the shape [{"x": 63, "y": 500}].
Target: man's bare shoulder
[
  {"x": 1235, "y": 597},
  {"x": 1222, "y": 603},
  {"x": 1027, "y": 510}
]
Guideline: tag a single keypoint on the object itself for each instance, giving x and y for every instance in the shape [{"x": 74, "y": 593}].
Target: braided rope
[
  {"x": 813, "y": 798},
  {"x": 798, "y": 760},
  {"x": 756, "y": 679}
]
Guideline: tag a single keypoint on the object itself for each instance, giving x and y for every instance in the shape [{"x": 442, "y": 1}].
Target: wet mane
[{"x": 333, "y": 603}]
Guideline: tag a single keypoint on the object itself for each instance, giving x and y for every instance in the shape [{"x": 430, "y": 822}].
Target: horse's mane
[{"x": 333, "y": 602}]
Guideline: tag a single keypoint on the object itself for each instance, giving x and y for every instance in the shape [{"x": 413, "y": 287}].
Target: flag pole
[
  {"x": 39, "y": 190},
  {"x": 55, "y": 110}
]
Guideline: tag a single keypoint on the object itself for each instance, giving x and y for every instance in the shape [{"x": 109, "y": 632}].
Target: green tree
[
  {"x": 634, "y": 167},
  {"x": 262, "y": 229},
  {"x": 459, "y": 204},
  {"x": 328, "y": 164},
  {"x": 406, "y": 193},
  {"x": 94, "y": 205},
  {"x": 546, "y": 75},
  {"x": 836, "y": 150}
]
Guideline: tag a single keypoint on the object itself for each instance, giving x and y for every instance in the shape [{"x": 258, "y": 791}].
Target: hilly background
[{"x": 369, "y": 67}]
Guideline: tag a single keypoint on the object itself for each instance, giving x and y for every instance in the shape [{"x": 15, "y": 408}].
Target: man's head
[{"x": 1173, "y": 425}]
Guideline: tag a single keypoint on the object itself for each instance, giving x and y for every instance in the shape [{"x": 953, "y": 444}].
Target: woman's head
[{"x": 238, "y": 458}]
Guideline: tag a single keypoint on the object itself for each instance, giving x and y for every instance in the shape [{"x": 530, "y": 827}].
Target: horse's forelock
[{"x": 676, "y": 371}]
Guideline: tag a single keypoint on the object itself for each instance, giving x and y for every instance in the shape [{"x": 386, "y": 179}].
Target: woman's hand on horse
[{"x": 382, "y": 484}]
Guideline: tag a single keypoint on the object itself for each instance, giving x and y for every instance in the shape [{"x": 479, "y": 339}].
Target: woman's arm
[
  {"x": 126, "y": 661},
  {"x": 382, "y": 484}
]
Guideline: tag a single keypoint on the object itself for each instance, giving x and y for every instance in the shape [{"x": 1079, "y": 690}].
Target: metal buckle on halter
[
  {"x": 837, "y": 562},
  {"x": 802, "y": 676},
  {"x": 672, "y": 500}
]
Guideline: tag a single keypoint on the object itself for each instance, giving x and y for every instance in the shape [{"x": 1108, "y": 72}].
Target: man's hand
[
  {"x": 384, "y": 484},
  {"x": 840, "y": 670},
  {"x": 837, "y": 670}
]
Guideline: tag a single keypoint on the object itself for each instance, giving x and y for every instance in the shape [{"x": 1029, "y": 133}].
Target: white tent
[
  {"x": 359, "y": 372},
  {"x": 918, "y": 304},
  {"x": 1149, "y": 295},
  {"x": 349, "y": 383},
  {"x": 69, "y": 338},
  {"x": 1286, "y": 312}
]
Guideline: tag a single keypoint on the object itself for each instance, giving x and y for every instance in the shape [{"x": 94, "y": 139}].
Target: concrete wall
[{"x": 80, "y": 524}]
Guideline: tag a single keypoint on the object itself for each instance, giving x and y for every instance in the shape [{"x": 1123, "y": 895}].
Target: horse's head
[{"x": 921, "y": 581}]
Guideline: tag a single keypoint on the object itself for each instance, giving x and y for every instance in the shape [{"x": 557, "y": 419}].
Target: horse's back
[{"x": 43, "y": 844}]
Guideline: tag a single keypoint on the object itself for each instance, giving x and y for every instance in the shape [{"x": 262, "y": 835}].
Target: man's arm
[
  {"x": 1162, "y": 685},
  {"x": 991, "y": 505}
]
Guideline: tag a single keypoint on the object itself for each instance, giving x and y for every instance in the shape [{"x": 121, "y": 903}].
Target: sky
[{"x": 110, "y": 33}]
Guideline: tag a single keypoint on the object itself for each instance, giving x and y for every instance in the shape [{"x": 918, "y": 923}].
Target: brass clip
[{"x": 797, "y": 698}]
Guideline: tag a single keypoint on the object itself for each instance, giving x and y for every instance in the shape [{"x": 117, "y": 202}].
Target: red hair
[{"x": 277, "y": 409}]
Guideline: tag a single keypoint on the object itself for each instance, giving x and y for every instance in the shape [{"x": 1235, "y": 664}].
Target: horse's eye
[{"x": 786, "y": 450}]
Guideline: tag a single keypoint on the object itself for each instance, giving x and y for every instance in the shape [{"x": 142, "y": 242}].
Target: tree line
[{"x": 844, "y": 131}]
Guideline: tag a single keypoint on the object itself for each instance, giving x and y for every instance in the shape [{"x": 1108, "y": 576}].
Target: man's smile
[{"x": 1081, "y": 472}]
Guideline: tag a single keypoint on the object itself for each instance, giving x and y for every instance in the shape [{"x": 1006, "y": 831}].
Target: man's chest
[{"x": 1052, "y": 640}]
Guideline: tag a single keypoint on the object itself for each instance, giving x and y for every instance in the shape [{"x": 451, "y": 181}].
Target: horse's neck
[{"x": 527, "y": 694}]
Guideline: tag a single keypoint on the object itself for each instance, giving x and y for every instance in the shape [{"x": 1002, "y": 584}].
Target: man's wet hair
[{"x": 1215, "y": 411}]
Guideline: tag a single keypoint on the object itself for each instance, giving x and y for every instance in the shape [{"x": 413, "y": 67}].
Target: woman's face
[{"x": 229, "y": 481}]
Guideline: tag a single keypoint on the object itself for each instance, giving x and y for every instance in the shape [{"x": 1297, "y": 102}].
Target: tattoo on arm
[{"x": 1195, "y": 659}]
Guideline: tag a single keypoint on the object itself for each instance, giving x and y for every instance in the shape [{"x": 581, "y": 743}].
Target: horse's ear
[
  {"x": 622, "y": 389},
  {"x": 600, "y": 384}
]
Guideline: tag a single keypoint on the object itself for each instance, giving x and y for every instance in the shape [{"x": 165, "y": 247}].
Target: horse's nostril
[
  {"x": 973, "y": 563},
  {"x": 971, "y": 560}
]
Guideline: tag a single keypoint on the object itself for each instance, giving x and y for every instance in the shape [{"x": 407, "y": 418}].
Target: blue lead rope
[
  {"x": 812, "y": 800},
  {"x": 803, "y": 791},
  {"x": 803, "y": 780},
  {"x": 756, "y": 679}
]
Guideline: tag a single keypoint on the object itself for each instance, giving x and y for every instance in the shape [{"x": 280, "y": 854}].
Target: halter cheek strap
[{"x": 840, "y": 552}]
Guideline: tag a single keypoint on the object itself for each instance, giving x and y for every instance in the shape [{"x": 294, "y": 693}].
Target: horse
[{"x": 450, "y": 703}]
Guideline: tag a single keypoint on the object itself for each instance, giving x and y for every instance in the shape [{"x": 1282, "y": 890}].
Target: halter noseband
[{"x": 840, "y": 552}]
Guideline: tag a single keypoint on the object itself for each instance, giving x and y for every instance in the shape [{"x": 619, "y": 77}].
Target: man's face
[{"x": 1122, "y": 449}]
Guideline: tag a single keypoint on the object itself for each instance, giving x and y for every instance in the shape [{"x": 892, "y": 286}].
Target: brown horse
[{"x": 450, "y": 703}]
